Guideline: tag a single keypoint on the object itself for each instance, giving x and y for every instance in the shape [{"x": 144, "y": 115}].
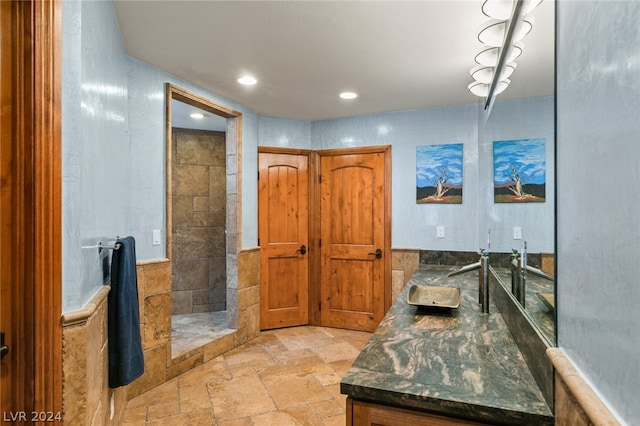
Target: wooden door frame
[
  {"x": 31, "y": 117},
  {"x": 233, "y": 150},
  {"x": 314, "y": 217}
]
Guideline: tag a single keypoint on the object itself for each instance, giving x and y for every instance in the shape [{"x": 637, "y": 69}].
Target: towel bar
[
  {"x": 115, "y": 246},
  {"x": 101, "y": 246}
]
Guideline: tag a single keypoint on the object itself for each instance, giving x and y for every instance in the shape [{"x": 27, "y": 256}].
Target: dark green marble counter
[{"x": 457, "y": 363}]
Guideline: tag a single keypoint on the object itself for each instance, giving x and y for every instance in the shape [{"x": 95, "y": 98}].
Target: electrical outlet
[
  {"x": 156, "y": 237},
  {"x": 440, "y": 232},
  {"x": 517, "y": 233}
]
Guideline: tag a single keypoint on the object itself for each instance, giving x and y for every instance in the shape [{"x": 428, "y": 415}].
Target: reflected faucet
[
  {"x": 518, "y": 274},
  {"x": 519, "y": 269}
]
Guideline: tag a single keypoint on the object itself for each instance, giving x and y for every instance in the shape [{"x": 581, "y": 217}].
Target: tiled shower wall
[{"x": 198, "y": 218}]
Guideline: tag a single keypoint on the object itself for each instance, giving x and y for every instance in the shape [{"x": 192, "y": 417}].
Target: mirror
[{"x": 517, "y": 145}]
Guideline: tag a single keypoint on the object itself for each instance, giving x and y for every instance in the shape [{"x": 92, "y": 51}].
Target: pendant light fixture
[{"x": 501, "y": 39}]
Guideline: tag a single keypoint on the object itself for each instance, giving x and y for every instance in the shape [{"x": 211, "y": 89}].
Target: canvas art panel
[
  {"x": 439, "y": 171},
  {"x": 519, "y": 171}
]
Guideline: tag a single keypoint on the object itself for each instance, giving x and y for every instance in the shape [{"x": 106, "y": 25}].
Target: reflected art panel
[
  {"x": 519, "y": 171},
  {"x": 439, "y": 174}
]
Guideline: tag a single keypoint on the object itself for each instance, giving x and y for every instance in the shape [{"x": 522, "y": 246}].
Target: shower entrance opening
[{"x": 200, "y": 211}]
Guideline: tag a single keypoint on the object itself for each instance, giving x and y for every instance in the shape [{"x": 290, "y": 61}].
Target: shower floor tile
[{"x": 190, "y": 331}]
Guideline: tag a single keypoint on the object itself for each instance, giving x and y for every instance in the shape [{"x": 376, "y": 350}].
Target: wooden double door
[{"x": 324, "y": 236}]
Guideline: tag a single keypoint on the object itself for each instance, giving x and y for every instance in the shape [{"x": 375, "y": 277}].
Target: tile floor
[
  {"x": 190, "y": 331},
  {"x": 289, "y": 376}
]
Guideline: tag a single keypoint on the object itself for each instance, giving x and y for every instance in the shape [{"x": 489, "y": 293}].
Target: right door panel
[{"x": 352, "y": 265}]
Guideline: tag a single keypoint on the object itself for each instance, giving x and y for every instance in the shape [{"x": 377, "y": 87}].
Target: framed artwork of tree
[
  {"x": 439, "y": 174},
  {"x": 519, "y": 171}
]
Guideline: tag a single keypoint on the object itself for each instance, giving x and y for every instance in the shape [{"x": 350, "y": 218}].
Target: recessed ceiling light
[
  {"x": 247, "y": 80},
  {"x": 348, "y": 95},
  {"x": 196, "y": 115}
]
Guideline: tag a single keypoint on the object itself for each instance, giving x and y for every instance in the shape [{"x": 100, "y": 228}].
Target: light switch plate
[
  {"x": 156, "y": 237},
  {"x": 440, "y": 232},
  {"x": 517, "y": 233}
]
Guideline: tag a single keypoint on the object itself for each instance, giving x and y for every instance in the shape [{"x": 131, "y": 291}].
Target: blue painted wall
[
  {"x": 284, "y": 133},
  {"x": 113, "y": 126},
  {"x": 598, "y": 131},
  {"x": 95, "y": 144},
  {"x": 414, "y": 225}
]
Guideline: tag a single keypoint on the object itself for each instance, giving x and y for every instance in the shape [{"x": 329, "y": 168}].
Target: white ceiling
[
  {"x": 397, "y": 55},
  {"x": 181, "y": 117}
]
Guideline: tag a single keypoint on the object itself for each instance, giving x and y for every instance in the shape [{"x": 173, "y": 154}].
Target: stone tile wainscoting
[
  {"x": 86, "y": 395},
  {"x": 404, "y": 262}
]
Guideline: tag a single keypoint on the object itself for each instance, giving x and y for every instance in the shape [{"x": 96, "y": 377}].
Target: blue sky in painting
[
  {"x": 528, "y": 155},
  {"x": 431, "y": 158}
]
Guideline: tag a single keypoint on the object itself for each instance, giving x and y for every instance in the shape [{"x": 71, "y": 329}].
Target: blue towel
[{"x": 126, "y": 360}]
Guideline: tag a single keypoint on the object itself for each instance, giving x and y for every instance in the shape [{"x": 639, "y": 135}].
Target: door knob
[
  {"x": 4, "y": 349},
  {"x": 377, "y": 254},
  {"x": 302, "y": 249}
]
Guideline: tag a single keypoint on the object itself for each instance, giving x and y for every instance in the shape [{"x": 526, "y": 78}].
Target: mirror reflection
[{"x": 517, "y": 220}]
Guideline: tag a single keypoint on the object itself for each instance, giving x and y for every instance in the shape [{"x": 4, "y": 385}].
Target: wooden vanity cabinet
[{"x": 367, "y": 414}]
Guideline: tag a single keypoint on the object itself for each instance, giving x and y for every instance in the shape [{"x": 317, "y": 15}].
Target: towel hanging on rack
[{"x": 126, "y": 359}]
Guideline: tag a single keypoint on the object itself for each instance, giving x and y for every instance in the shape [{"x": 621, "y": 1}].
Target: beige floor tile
[
  {"x": 237, "y": 422},
  {"x": 278, "y": 418},
  {"x": 328, "y": 378},
  {"x": 194, "y": 398},
  {"x": 162, "y": 409},
  {"x": 307, "y": 342},
  {"x": 240, "y": 397},
  {"x": 335, "y": 421},
  {"x": 287, "y": 354},
  {"x": 297, "y": 367},
  {"x": 135, "y": 415},
  {"x": 303, "y": 415},
  {"x": 336, "y": 352},
  {"x": 334, "y": 391},
  {"x": 134, "y": 423},
  {"x": 194, "y": 418},
  {"x": 283, "y": 377},
  {"x": 165, "y": 392},
  {"x": 329, "y": 408},
  {"x": 295, "y": 391},
  {"x": 214, "y": 371},
  {"x": 341, "y": 366},
  {"x": 251, "y": 356}
]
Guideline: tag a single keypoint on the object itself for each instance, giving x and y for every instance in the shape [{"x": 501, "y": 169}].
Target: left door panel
[{"x": 283, "y": 232}]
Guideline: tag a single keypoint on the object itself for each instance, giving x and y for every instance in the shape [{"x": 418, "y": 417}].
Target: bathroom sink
[
  {"x": 548, "y": 299},
  {"x": 434, "y": 296}
]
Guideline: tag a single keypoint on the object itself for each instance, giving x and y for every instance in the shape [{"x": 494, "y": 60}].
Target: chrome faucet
[
  {"x": 484, "y": 282},
  {"x": 483, "y": 278}
]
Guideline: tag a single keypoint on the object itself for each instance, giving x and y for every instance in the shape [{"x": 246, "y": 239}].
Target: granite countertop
[{"x": 458, "y": 363}]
